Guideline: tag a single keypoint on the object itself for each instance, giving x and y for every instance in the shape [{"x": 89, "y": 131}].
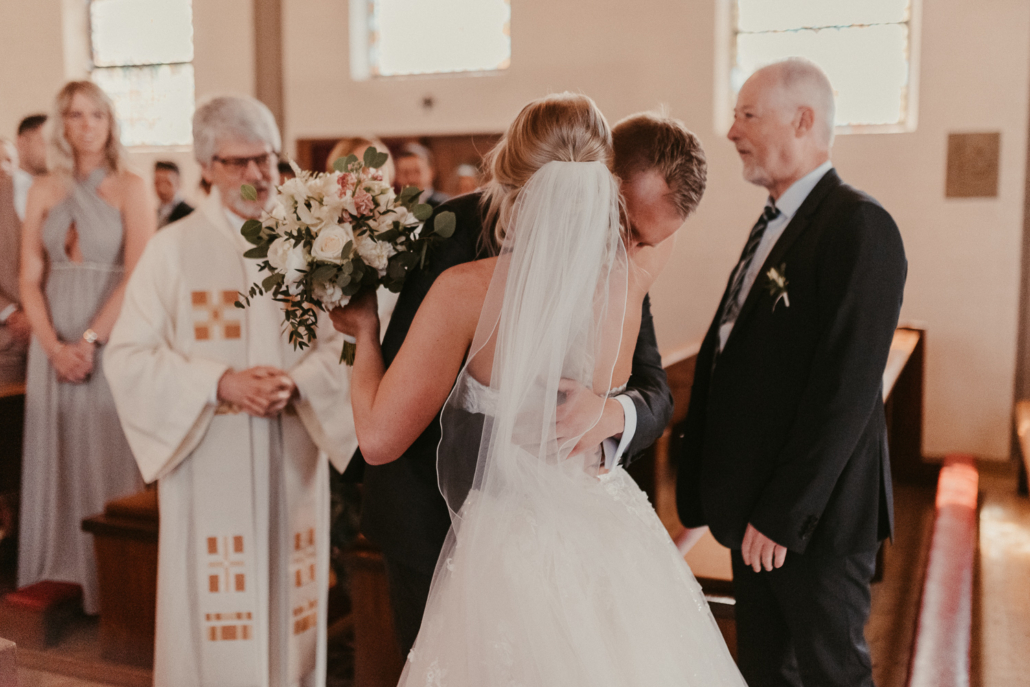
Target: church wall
[
  {"x": 38, "y": 53},
  {"x": 964, "y": 255}
]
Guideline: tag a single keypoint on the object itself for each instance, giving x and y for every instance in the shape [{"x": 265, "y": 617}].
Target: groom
[
  {"x": 663, "y": 170},
  {"x": 784, "y": 449}
]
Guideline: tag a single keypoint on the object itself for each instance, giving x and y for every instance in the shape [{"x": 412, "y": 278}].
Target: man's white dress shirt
[{"x": 22, "y": 181}]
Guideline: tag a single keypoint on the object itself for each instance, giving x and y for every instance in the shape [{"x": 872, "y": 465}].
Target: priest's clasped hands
[{"x": 261, "y": 391}]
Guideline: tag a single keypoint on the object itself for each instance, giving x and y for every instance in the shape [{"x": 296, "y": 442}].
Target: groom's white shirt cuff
[{"x": 614, "y": 450}]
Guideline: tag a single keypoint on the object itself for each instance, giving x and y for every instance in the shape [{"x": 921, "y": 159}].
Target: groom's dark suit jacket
[
  {"x": 786, "y": 428},
  {"x": 402, "y": 510}
]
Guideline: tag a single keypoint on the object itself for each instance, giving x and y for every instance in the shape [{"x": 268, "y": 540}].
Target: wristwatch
[{"x": 90, "y": 337}]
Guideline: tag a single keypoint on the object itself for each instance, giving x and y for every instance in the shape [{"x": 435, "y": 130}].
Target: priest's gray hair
[
  {"x": 807, "y": 84},
  {"x": 232, "y": 117}
]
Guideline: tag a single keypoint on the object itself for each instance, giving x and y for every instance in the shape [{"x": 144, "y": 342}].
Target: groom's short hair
[{"x": 651, "y": 141}]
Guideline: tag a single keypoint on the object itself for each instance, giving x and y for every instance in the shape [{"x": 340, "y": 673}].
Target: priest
[{"x": 229, "y": 419}]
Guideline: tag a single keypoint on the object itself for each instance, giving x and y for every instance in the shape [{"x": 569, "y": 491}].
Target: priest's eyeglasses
[{"x": 240, "y": 164}]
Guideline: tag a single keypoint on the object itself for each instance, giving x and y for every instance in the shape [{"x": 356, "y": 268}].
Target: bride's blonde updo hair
[{"x": 564, "y": 127}]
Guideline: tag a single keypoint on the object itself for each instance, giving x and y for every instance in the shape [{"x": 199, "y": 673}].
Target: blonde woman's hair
[
  {"x": 347, "y": 146},
  {"x": 564, "y": 127},
  {"x": 61, "y": 156}
]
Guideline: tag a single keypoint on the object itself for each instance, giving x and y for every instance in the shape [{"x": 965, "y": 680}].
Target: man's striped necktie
[{"x": 731, "y": 308}]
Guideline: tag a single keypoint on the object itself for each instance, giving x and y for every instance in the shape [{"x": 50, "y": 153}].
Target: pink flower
[
  {"x": 364, "y": 202},
  {"x": 346, "y": 182},
  {"x": 377, "y": 175}
]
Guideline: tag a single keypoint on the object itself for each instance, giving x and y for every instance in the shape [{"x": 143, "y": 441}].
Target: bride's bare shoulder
[
  {"x": 467, "y": 280},
  {"x": 460, "y": 290}
]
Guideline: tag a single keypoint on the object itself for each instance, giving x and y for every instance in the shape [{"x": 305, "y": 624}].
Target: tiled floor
[
  {"x": 1005, "y": 584},
  {"x": 36, "y": 678}
]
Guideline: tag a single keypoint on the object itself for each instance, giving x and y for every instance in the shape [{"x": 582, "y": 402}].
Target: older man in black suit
[{"x": 784, "y": 450}]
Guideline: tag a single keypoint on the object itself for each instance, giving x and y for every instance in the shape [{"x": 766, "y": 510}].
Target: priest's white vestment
[{"x": 244, "y": 501}]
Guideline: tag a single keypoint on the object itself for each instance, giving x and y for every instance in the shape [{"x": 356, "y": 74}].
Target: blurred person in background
[
  {"x": 415, "y": 168},
  {"x": 167, "y": 186},
  {"x": 356, "y": 146},
  {"x": 8, "y": 156},
  {"x": 14, "y": 326},
  {"x": 86, "y": 224},
  {"x": 468, "y": 179},
  {"x": 31, "y": 144}
]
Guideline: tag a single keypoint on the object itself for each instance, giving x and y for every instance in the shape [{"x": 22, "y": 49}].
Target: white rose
[
  {"x": 329, "y": 294},
  {"x": 386, "y": 198},
  {"x": 278, "y": 252},
  {"x": 330, "y": 242},
  {"x": 377, "y": 187},
  {"x": 295, "y": 267},
  {"x": 404, "y": 216},
  {"x": 326, "y": 186},
  {"x": 376, "y": 254},
  {"x": 294, "y": 191},
  {"x": 278, "y": 212}
]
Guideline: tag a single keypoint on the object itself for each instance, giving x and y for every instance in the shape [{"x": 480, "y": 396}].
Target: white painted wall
[
  {"x": 38, "y": 54},
  {"x": 964, "y": 255}
]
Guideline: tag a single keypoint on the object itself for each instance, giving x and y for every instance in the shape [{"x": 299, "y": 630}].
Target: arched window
[{"x": 142, "y": 55}]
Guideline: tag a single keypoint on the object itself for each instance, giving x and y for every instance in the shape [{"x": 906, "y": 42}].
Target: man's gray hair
[
  {"x": 807, "y": 84},
  {"x": 232, "y": 117}
]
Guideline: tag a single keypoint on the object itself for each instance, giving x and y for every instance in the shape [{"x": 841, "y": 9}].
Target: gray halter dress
[{"x": 75, "y": 456}]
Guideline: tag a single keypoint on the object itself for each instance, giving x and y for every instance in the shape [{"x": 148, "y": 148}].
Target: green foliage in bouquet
[{"x": 329, "y": 236}]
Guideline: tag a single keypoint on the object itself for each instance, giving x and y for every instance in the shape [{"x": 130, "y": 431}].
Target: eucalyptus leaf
[
  {"x": 406, "y": 258},
  {"x": 347, "y": 267},
  {"x": 380, "y": 160},
  {"x": 371, "y": 154},
  {"x": 409, "y": 193},
  {"x": 340, "y": 164},
  {"x": 343, "y": 280},
  {"x": 389, "y": 236},
  {"x": 422, "y": 212},
  {"x": 257, "y": 252},
  {"x": 272, "y": 281},
  {"x": 323, "y": 272},
  {"x": 444, "y": 224},
  {"x": 347, "y": 248},
  {"x": 248, "y": 192},
  {"x": 395, "y": 270}
]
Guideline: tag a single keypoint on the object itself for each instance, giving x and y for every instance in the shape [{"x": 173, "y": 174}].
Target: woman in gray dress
[{"x": 85, "y": 227}]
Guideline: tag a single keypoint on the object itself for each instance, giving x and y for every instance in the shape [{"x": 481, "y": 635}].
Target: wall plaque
[{"x": 973, "y": 165}]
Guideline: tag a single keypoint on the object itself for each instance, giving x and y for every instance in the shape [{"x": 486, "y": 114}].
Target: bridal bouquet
[{"x": 330, "y": 236}]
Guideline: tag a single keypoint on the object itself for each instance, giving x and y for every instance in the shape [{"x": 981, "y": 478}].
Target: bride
[{"x": 556, "y": 571}]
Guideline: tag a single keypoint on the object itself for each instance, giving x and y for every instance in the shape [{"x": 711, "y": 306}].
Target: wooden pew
[
  {"x": 941, "y": 651},
  {"x": 125, "y": 538},
  {"x": 12, "y": 420}
]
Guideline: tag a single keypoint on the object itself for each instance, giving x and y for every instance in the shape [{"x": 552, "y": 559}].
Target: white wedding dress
[{"x": 553, "y": 576}]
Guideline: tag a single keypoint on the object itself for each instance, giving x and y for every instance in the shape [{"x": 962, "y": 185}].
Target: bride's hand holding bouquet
[{"x": 332, "y": 236}]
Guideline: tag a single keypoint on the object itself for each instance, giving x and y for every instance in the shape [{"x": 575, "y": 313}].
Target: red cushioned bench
[
  {"x": 941, "y": 651},
  {"x": 34, "y": 616}
]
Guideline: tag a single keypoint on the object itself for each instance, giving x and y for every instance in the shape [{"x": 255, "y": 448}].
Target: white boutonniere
[{"x": 777, "y": 285}]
